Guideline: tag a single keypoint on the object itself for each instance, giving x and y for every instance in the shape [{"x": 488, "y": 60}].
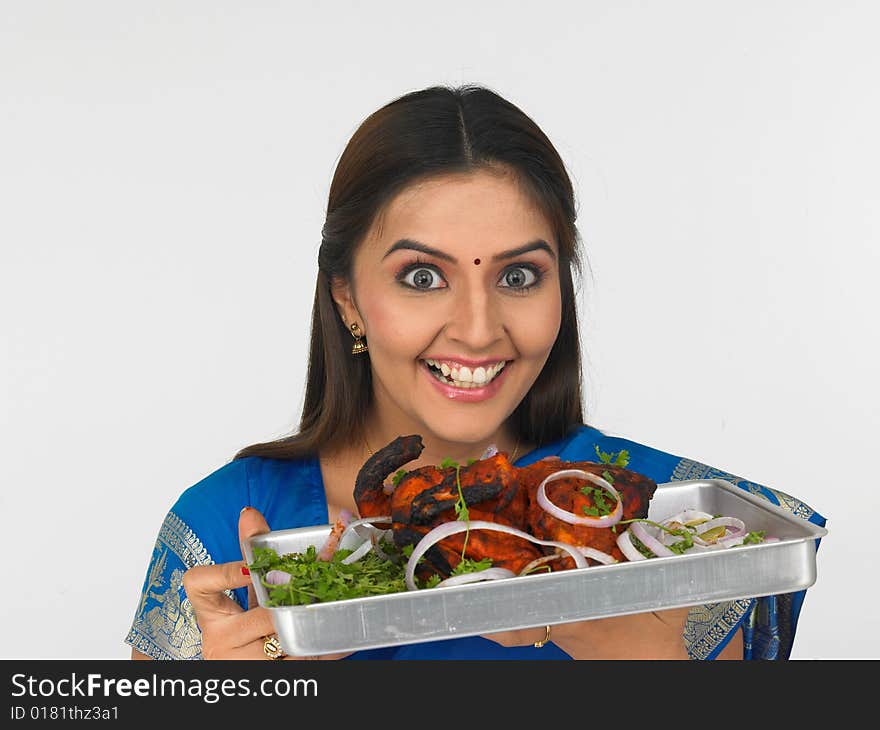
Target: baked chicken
[{"x": 493, "y": 490}]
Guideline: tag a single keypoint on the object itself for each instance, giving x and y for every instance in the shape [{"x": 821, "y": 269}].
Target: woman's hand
[
  {"x": 654, "y": 635},
  {"x": 228, "y": 631}
]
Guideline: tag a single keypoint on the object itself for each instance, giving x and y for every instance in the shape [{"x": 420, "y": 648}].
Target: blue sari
[{"x": 202, "y": 528}]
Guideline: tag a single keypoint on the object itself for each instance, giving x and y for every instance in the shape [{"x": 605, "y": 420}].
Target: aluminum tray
[{"x": 570, "y": 595}]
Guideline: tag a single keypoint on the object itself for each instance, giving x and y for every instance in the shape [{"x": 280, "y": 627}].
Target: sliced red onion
[
  {"x": 476, "y": 577},
  {"x": 688, "y": 515},
  {"x": 570, "y": 517},
  {"x": 277, "y": 577},
  {"x": 735, "y": 522},
  {"x": 453, "y": 528},
  {"x": 538, "y": 562},
  {"x": 358, "y": 553},
  {"x": 627, "y": 548},
  {"x": 354, "y": 525},
  {"x": 597, "y": 555},
  {"x": 649, "y": 541},
  {"x": 376, "y": 538}
]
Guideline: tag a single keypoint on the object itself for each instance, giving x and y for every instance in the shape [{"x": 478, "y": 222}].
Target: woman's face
[{"x": 459, "y": 276}]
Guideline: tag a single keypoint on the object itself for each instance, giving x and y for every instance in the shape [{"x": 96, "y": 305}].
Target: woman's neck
[{"x": 436, "y": 449}]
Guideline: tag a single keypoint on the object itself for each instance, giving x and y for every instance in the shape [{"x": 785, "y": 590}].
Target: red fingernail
[{"x": 244, "y": 570}]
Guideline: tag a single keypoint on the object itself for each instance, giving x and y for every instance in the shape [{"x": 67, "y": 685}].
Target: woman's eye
[
  {"x": 422, "y": 278},
  {"x": 519, "y": 277}
]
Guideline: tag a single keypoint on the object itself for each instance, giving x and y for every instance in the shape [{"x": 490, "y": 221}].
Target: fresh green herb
[
  {"x": 465, "y": 565},
  {"x": 648, "y": 522},
  {"x": 536, "y": 569},
  {"x": 621, "y": 458},
  {"x": 468, "y": 565},
  {"x": 398, "y": 475},
  {"x": 598, "y": 496},
  {"x": 679, "y": 547},
  {"x": 685, "y": 543},
  {"x": 472, "y": 461},
  {"x": 317, "y": 581},
  {"x": 608, "y": 478},
  {"x": 638, "y": 545},
  {"x": 432, "y": 581},
  {"x": 461, "y": 510},
  {"x": 755, "y": 537}
]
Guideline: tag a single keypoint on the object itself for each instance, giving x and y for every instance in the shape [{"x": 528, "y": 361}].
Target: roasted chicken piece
[
  {"x": 635, "y": 490},
  {"x": 426, "y": 497},
  {"x": 493, "y": 490}
]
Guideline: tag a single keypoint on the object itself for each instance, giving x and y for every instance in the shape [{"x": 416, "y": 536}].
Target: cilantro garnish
[
  {"x": 314, "y": 581},
  {"x": 686, "y": 533},
  {"x": 621, "y": 458},
  {"x": 461, "y": 508},
  {"x": 755, "y": 537},
  {"x": 601, "y": 505},
  {"x": 638, "y": 545},
  {"x": 467, "y": 565},
  {"x": 398, "y": 475}
]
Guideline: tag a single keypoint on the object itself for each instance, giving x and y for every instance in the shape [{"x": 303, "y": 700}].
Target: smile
[{"x": 461, "y": 376}]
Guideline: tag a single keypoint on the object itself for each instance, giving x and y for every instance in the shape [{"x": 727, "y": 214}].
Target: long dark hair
[{"x": 423, "y": 134}]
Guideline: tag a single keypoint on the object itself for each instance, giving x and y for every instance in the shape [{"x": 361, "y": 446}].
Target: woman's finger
[
  {"x": 238, "y": 636},
  {"x": 205, "y": 586},
  {"x": 250, "y": 522}
]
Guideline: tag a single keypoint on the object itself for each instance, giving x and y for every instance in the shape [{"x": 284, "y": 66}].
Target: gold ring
[
  {"x": 539, "y": 644},
  {"x": 272, "y": 647}
]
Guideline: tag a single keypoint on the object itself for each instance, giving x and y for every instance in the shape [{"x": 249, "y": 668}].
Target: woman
[{"x": 447, "y": 256}]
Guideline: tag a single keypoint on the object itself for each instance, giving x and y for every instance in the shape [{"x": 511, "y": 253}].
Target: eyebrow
[{"x": 408, "y": 243}]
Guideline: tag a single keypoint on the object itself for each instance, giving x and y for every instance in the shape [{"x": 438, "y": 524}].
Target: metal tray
[{"x": 599, "y": 591}]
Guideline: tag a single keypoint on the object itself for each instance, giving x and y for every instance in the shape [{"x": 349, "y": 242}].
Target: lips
[{"x": 469, "y": 393}]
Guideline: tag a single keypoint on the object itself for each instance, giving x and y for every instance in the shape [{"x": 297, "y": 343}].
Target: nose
[{"x": 476, "y": 320}]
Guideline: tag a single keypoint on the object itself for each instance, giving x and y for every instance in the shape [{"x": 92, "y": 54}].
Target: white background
[{"x": 164, "y": 169}]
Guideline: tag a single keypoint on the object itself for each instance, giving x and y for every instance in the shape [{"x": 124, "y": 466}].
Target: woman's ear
[{"x": 340, "y": 290}]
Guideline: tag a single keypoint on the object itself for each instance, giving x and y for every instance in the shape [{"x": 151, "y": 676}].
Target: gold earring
[{"x": 359, "y": 345}]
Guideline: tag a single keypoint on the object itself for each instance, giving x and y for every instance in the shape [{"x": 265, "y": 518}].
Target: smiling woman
[{"x": 449, "y": 252}]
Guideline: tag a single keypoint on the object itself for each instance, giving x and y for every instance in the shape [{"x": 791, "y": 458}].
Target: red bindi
[{"x": 476, "y": 262}]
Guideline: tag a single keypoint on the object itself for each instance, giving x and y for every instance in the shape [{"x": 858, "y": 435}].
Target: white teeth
[
  {"x": 464, "y": 374},
  {"x": 463, "y": 377}
]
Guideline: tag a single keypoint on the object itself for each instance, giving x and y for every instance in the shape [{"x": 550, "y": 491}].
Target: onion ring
[
  {"x": 453, "y": 528},
  {"x": 358, "y": 553},
  {"x": 354, "y": 524},
  {"x": 597, "y": 555},
  {"x": 476, "y": 576},
  {"x": 538, "y": 562},
  {"x": 570, "y": 517},
  {"x": 627, "y": 548},
  {"x": 649, "y": 541}
]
